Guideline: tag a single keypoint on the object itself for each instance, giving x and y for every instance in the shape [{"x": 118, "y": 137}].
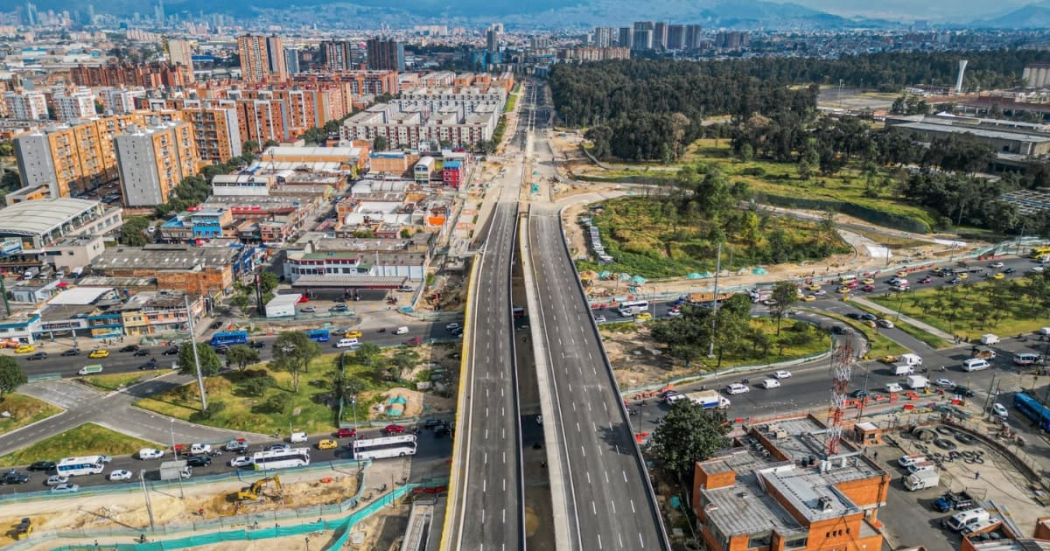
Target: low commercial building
[
  {"x": 1006, "y": 137},
  {"x": 282, "y": 306},
  {"x": 33, "y": 233},
  {"x": 423, "y": 169},
  {"x": 160, "y": 312},
  {"x": 452, "y": 174},
  {"x": 353, "y": 264},
  {"x": 778, "y": 489},
  {"x": 199, "y": 270}
]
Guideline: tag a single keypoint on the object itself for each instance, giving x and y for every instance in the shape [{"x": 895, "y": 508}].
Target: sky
[{"x": 934, "y": 10}]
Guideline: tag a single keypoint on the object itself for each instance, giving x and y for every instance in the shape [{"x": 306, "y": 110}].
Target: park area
[
  {"x": 87, "y": 439},
  {"x": 1004, "y": 307},
  {"x": 19, "y": 410}
]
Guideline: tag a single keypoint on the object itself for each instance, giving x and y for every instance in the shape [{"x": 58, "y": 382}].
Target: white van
[
  {"x": 347, "y": 343},
  {"x": 975, "y": 364},
  {"x": 737, "y": 388},
  {"x": 298, "y": 437},
  {"x": 920, "y": 467},
  {"x": 90, "y": 370},
  {"x": 401, "y": 331},
  {"x": 847, "y": 279},
  {"x": 909, "y": 460},
  {"x": 1026, "y": 358},
  {"x": 965, "y": 519}
]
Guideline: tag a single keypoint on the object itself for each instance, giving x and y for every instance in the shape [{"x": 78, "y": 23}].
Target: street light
[{"x": 174, "y": 450}]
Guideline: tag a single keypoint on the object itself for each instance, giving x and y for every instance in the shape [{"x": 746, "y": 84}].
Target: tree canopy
[
  {"x": 210, "y": 361},
  {"x": 292, "y": 352},
  {"x": 687, "y": 434},
  {"x": 11, "y": 376}
]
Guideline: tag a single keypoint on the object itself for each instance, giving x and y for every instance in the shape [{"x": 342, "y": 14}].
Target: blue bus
[
  {"x": 319, "y": 335},
  {"x": 229, "y": 337},
  {"x": 1033, "y": 409}
]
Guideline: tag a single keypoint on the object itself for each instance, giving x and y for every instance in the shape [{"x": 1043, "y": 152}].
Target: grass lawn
[
  {"x": 87, "y": 439},
  {"x": 932, "y": 340},
  {"x": 971, "y": 310},
  {"x": 24, "y": 410},
  {"x": 310, "y": 410},
  {"x": 117, "y": 381},
  {"x": 512, "y": 100},
  {"x": 782, "y": 348},
  {"x": 880, "y": 345}
]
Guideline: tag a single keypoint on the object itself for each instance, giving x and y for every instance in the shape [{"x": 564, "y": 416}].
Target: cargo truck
[
  {"x": 922, "y": 480},
  {"x": 708, "y": 399}
]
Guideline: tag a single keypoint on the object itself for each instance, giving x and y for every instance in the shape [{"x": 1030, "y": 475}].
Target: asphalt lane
[{"x": 610, "y": 497}]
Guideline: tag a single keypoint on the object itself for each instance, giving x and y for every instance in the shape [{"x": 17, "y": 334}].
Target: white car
[
  {"x": 451, "y": 326},
  {"x": 198, "y": 448},
  {"x": 150, "y": 453},
  {"x": 885, "y": 323},
  {"x": 119, "y": 475},
  {"x": 770, "y": 383},
  {"x": 819, "y": 293},
  {"x": 298, "y": 437},
  {"x": 240, "y": 461},
  {"x": 1044, "y": 331},
  {"x": 737, "y": 388},
  {"x": 996, "y": 265},
  {"x": 599, "y": 319},
  {"x": 674, "y": 313},
  {"x": 894, "y": 387},
  {"x": 56, "y": 479},
  {"x": 946, "y": 383},
  {"x": 1037, "y": 269},
  {"x": 1000, "y": 410},
  {"x": 782, "y": 374}
]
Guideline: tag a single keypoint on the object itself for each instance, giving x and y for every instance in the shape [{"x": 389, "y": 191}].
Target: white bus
[
  {"x": 388, "y": 446},
  {"x": 630, "y": 308},
  {"x": 77, "y": 466},
  {"x": 286, "y": 459}
]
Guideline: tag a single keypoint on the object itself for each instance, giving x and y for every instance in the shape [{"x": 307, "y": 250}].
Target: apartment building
[
  {"x": 180, "y": 52},
  {"x": 216, "y": 131},
  {"x": 119, "y": 100},
  {"x": 675, "y": 37},
  {"x": 72, "y": 159},
  {"x": 152, "y": 161},
  {"x": 603, "y": 37},
  {"x": 152, "y": 75},
  {"x": 262, "y": 58},
  {"x": 692, "y": 37},
  {"x": 338, "y": 55},
  {"x": 26, "y": 105},
  {"x": 73, "y": 105},
  {"x": 594, "y": 54},
  {"x": 152, "y": 313},
  {"x": 777, "y": 489},
  {"x": 385, "y": 55}
]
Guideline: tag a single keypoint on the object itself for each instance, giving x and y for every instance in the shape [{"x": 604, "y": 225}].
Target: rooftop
[
  {"x": 80, "y": 296},
  {"x": 976, "y": 131},
  {"x": 164, "y": 257},
  {"x": 39, "y": 217}
]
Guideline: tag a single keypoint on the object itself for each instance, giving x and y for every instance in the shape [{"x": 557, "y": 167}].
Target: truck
[
  {"x": 951, "y": 500},
  {"x": 708, "y": 399},
  {"x": 901, "y": 368},
  {"x": 922, "y": 480},
  {"x": 989, "y": 339},
  {"x": 760, "y": 295},
  {"x": 910, "y": 359},
  {"x": 918, "y": 382}
]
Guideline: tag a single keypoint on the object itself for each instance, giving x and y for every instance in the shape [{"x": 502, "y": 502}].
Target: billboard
[{"x": 10, "y": 246}]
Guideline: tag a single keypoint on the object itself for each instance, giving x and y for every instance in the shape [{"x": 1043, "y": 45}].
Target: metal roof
[
  {"x": 284, "y": 300},
  {"x": 367, "y": 282},
  {"x": 976, "y": 131},
  {"x": 40, "y": 217}
]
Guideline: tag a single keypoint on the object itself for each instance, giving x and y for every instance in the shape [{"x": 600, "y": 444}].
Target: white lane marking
[
  {"x": 594, "y": 427},
  {"x": 577, "y": 426},
  {"x": 503, "y": 433},
  {"x": 504, "y": 458},
  {"x": 504, "y": 484},
  {"x": 640, "y": 540},
  {"x": 504, "y": 516},
  {"x": 594, "y": 508},
  {"x": 599, "y": 541},
  {"x": 606, "y": 477},
  {"x": 502, "y": 411},
  {"x": 483, "y": 516},
  {"x": 583, "y": 451},
  {"x": 574, "y": 407},
  {"x": 613, "y": 503},
  {"x": 588, "y": 473},
  {"x": 624, "y": 477},
  {"x": 588, "y": 406},
  {"x": 620, "y": 538},
  {"x": 632, "y": 507},
  {"x": 484, "y": 485},
  {"x": 486, "y": 456}
]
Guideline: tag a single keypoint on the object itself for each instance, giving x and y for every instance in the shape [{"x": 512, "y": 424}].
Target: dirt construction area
[{"x": 635, "y": 357}]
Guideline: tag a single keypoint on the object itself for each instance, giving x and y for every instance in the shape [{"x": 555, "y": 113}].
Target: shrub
[
  {"x": 215, "y": 407},
  {"x": 278, "y": 403}
]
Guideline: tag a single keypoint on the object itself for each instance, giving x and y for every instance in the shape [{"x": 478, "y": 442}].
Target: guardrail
[{"x": 44, "y": 377}]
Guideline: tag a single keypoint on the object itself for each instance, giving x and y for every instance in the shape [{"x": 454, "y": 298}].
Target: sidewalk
[{"x": 906, "y": 319}]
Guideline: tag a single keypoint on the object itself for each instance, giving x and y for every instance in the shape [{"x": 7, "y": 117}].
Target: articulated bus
[
  {"x": 388, "y": 446},
  {"x": 1033, "y": 410},
  {"x": 1039, "y": 252},
  {"x": 281, "y": 459},
  {"x": 229, "y": 337},
  {"x": 79, "y": 466},
  {"x": 633, "y": 307},
  {"x": 319, "y": 335}
]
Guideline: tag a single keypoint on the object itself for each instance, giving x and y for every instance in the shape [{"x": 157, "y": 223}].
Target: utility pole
[
  {"x": 196, "y": 356},
  {"x": 145, "y": 492},
  {"x": 714, "y": 317}
]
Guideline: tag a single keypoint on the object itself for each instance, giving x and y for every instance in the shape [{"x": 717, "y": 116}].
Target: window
[
  {"x": 796, "y": 543},
  {"x": 760, "y": 540}
]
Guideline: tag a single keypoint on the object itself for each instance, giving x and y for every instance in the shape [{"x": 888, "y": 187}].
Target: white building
[
  {"x": 73, "y": 105},
  {"x": 119, "y": 101},
  {"x": 26, "y": 105}
]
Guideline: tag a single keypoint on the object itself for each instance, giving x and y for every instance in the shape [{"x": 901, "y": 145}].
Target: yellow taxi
[
  {"x": 327, "y": 444},
  {"x": 644, "y": 316},
  {"x": 902, "y": 274},
  {"x": 998, "y": 276},
  {"x": 25, "y": 349},
  {"x": 844, "y": 289},
  {"x": 869, "y": 281},
  {"x": 809, "y": 298},
  {"x": 99, "y": 354},
  {"x": 352, "y": 335},
  {"x": 813, "y": 287},
  {"x": 963, "y": 275}
]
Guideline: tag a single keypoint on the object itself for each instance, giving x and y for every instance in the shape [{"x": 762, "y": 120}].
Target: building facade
[
  {"x": 26, "y": 105},
  {"x": 262, "y": 58},
  {"x": 74, "y": 105},
  {"x": 385, "y": 55},
  {"x": 180, "y": 52},
  {"x": 153, "y": 161}
]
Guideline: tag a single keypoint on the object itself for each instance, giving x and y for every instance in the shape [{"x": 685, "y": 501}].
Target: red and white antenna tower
[{"x": 842, "y": 359}]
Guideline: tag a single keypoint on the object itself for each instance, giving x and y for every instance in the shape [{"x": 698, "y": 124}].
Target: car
[
  {"x": 868, "y": 288},
  {"x": 868, "y": 281},
  {"x": 894, "y": 388},
  {"x": 339, "y": 308},
  {"x": 105, "y": 459},
  {"x": 998, "y": 276},
  {"x": 121, "y": 474},
  {"x": 56, "y": 479},
  {"x": 442, "y": 431},
  {"x": 838, "y": 330},
  {"x": 15, "y": 477},
  {"x": 25, "y": 349},
  {"x": 130, "y": 348},
  {"x": 996, "y": 265},
  {"x": 172, "y": 351},
  {"x": 198, "y": 461},
  {"x": 868, "y": 317},
  {"x": 142, "y": 352},
  {"x": 945, "y": 383},
  {"x": 216, "y": 324},
  {"x": 256, "y": 344},
  {"x": 737, "y": 388},
  {"x": 885, "y": 323},
  {"x": 860, "y": 394},
  {"x": 414, "y": 341},
  {"x": 1000, "y": 410},
  {"x": 813, "y": 287},
  {"x": 71, "y": 352},
  {"x": 770, "y": 383},
  {"x": 963, "y": 391},
  {"x": 355, "y": 334},
  {"x": 393, "y": 429},
  {"x": 277, "y": 448},
  {"x": 809, "y": 298},
  {"x": 308, "y": 310},
  {"x": 38, "y": 356},
  {"x": 327, "y": 444},
  {"x": 42, "y": 466},
  {"x": 539, "y": 420},
  {"x": 238, "y": 445},
  {"x": 599, "y": 319},
  {"x": 955, "y": 280},
  {"x": 151, "y": 364},
  {"x": 1037, "y": 269},
  {"x": 820, "y": 293},
  {"x": 854, "y": 315},
  {"x": 303, "y": 299},
  {"x": 782, "y": 374},
  {"x": 221, "y": 349},
  {"x": 925, "y": 280},
  {"x": 431, "y": 423},
  {"x": 451, "y": 326},
  {"x": 150, "y": 453},
  {"x": 346, "y": 433},
  {"x": 100, "y": 353},
  {"x": 1010, "y": 270},
  {"x": 674, "y": 313},
  {"x": 239, "y": 461},
  {"x": 644, "y": 316},
  {"x": 65, "y": 489},
  {"x": 843, "y": 290},
  {"x": 457, "y": 332}
]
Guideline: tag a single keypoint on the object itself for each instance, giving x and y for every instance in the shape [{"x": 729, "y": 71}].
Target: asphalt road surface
[{"x": 609, "y": 502}]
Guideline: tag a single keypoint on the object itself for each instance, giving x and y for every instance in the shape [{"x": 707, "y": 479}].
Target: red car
[
  {"x": 346, "y": 433},
  {"x": 868, "y": 288},
  {"x": 926, "y": 279},
  {"x": 393, "y": 429},
  {"x": 303, "y": 299},
  {"x": 415, "y": 341}
]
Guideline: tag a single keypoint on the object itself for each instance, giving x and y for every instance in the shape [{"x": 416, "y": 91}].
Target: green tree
[
  {"x": 379, "y": 144},
  {"x": 271, "y": 143},
  {"x": 250, "y": 147},
  {"x": 278, "y": 403},
  {"x": 689, "y": 433},
  {"x": 210, "y": 361},
  {"x": 11, "y": 376},
  {"x": 344, "y": 386},
  {"x": 404, "y": 358},
  {"x": 785, "y": 295},
  {"x": 257, "y": 386},
  {"x": 242, "y": 356},
  {"x": 368, "y": 354},
  {"x": 133, "y": 232},
  {"x": 746, "y": 152},
  {"x": 292, "y": 352},
  {"x": 268, "y": 281},
  {"x": 805, "y": 170}
]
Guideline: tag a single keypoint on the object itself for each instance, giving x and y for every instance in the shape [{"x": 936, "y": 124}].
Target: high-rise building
[
  {"x": 642, "y": 40},
  {"x": 262, "y": 58},
  {"x": 492, "y": 37},
  {"x": 603, "y": 37},
  {"x": 291, "y": 59},
  {"x": 181, "y": 53},
  {"x": 692, "y": 37},
  {"x": 644, "y": 25},
  {"x": 217, "y": 132},
  {"x": 73, "y": 105},
  {"x": 660, "y": 35},
  {"x": 624, "y": 37},
  {"x": 158, "y": 12},
  {"x": 385, "y": 55},
  {"x": 675, "y": 37},
  {"x": 119, "y": 101},
  {"x": 31, "y": 17},
  {"x": 338, "y": 55},
  {"x": 733, "y": 40},
  {"x": 152, "y": 161},
  {"x": 26, "y": 105}
]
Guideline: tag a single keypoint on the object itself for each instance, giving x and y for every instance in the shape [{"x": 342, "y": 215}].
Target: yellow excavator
[
  {"x": 23, "y": 529},
  {"x": 254, "y": 492}
]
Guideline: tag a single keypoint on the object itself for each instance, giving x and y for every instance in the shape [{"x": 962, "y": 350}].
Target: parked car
[
  {"x": 414, "y": 341},
  {"x": 65, "y": 489},
  {"x": 338, "y": 309},
  {"x": 599, "y": 319},
  {"x": 121, "y": 474},
  {"x": 216, "y": 324},
  {"x": 431, "y": 423},
  {"x": 56, "y": 479},
  {"x": 860, "y": 394},
  {"x": 442, "y": 431},
  {"x": 256, "y": 344},
  {"x": 42, "y": 466},
  {"x": 963, "y": 391},
  {"x": 451, "y": 326},
  {"x": 308, "y": 309}
]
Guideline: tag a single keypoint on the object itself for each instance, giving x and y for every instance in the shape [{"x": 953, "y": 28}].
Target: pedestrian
[
  {"x": 977, "y": 475},
  {"x": 875, "y": 456}
]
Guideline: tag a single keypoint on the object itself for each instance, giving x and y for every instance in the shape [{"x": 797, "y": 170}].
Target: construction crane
[
  {"x": 254, "y": 492},
  {"x": 842, "y": 359}
]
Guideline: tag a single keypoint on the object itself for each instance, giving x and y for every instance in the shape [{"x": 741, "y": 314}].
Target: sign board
[
  {"x": 10, "y": 246},
  {"x": 171, "y": 470}
]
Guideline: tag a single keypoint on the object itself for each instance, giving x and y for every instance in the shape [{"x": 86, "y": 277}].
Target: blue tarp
[{"x": 760, "y": 271}]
